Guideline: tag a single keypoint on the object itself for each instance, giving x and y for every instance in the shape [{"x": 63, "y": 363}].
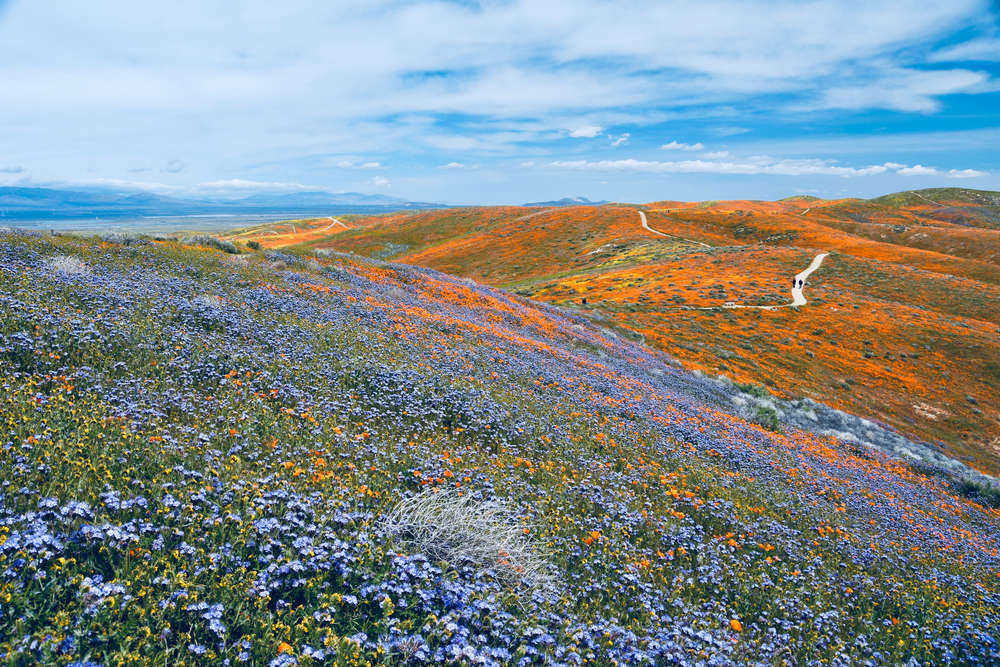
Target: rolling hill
[
  {"x": 902, "y": 321},
  {"x": 309, "y": 457}
]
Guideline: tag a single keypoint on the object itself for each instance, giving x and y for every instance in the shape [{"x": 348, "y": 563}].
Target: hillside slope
[
  {"x": 202, "y": 451},
  {"x": 902, "y": 319}
]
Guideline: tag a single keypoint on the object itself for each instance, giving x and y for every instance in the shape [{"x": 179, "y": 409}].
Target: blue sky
[{"x": 503, "y": 102}]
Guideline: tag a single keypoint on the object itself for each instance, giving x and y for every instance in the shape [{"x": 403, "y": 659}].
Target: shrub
[
  {"x": 767, "y": 417},
  {"x": 753, "y": 389},
  {"x": 124, "y": 238},
  {"x": 253, "y": 245},
  {"x": 212, "y": 242},
  {"x": 445, "y": 525},
  {"x": 980, "y": 492}
]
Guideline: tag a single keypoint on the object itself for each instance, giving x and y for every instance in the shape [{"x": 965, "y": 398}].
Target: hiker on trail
[
  {"x": 793, "y": 282},
  {"x": 583, "y": 301}
]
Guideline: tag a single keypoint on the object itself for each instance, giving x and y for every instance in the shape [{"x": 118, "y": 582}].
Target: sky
[{"x": 495, "y": 102}]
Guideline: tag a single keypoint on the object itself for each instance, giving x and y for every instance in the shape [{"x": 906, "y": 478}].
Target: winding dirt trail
[
  {"x": 645, "y": 225},
  {"x": 799, "y": 282},
  {"x": 929, "y": 200},
  {"x": 335, "y": 222},
  {"x": 798, "y": 299}
]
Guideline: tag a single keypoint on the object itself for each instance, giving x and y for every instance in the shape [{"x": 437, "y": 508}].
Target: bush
[
  {"x": 212, "y": 242},
  {"x": 767, "y": 417},
  {"x": 753, "y": 389},
  {"x": 124, "y": 238},
  {"x": 459, "y": 530},
  {"x": 980, "y": 492},
  {"x": 253, "y": 245}
]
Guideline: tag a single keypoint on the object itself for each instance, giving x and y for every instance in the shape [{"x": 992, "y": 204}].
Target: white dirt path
[
  {"x": 645, "y": 225},
  {"x": 930, "y": 200},
  {"x": 798, "y": 298},
  {"x": 334, "y": 222},
  {"x": 798, "y": 283}
]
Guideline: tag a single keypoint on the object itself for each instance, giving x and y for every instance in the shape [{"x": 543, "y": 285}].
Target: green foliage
[
  {"x": 212, "y": 242},
  {"x": 753, "y": 389},
  {"x": 981, "y": 492},
  {"x": 767, "y": 417}
]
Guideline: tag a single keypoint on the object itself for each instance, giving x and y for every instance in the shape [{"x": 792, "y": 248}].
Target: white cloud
[
  {"x": 985, "y": 49},
  {"x": 678, "y": 146},
  {"x": 453, "y": 165},
  {"x": 348, "y": 164},
  {"x": 380, "y": 182},
  {"x": 244, "y": 184},
  {"x": 620, "y": 139},
  {"x": 919, "y": 170},
  {"x": 966, "y": 173},
  {"x": 274, "y": 83},
  {"x": 586, "y": 131},
  {"x": 902, "y": 90},
  {"x": 115, "y": 183},
  {"x": 451, "y": 142},
  {"x": 729, "y": 131},
  {"x": 751, "y": 165},
  {"x": 717, "y": 155}
]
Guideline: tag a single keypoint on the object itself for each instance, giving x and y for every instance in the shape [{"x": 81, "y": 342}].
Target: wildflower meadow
[{"x": 300, "y": 458}]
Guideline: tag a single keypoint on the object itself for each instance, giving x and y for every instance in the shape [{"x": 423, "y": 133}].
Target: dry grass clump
[
  {"x": 446, "y": 525},
  {"x": 67, "y": 265},
  {"x": 210, "y": 300}
]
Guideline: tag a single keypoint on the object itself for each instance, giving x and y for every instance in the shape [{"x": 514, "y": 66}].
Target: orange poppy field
[{"x": 902, "y": 319}]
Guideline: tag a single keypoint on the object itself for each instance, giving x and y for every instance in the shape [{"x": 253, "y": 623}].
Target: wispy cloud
[
  {"x": 305, "y": 90},
  {"x": 918, "y": 170},
  {"x": 248, "y": 185},
  {"x": 350, "y": 164},
  {"x": 966, "y": 173},
  {"x": 678, "y": 146},
  {"x": 756, "y": 166},
  {"x": 984, "y": 49},
  {"x": 586, "y": 131},
  {"x": 902, "y": 90}
]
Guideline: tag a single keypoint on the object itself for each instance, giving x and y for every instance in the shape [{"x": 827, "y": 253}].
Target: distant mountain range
[
  {"x": 46, "y": 203},
  {"x": 568, "y": 201}
]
